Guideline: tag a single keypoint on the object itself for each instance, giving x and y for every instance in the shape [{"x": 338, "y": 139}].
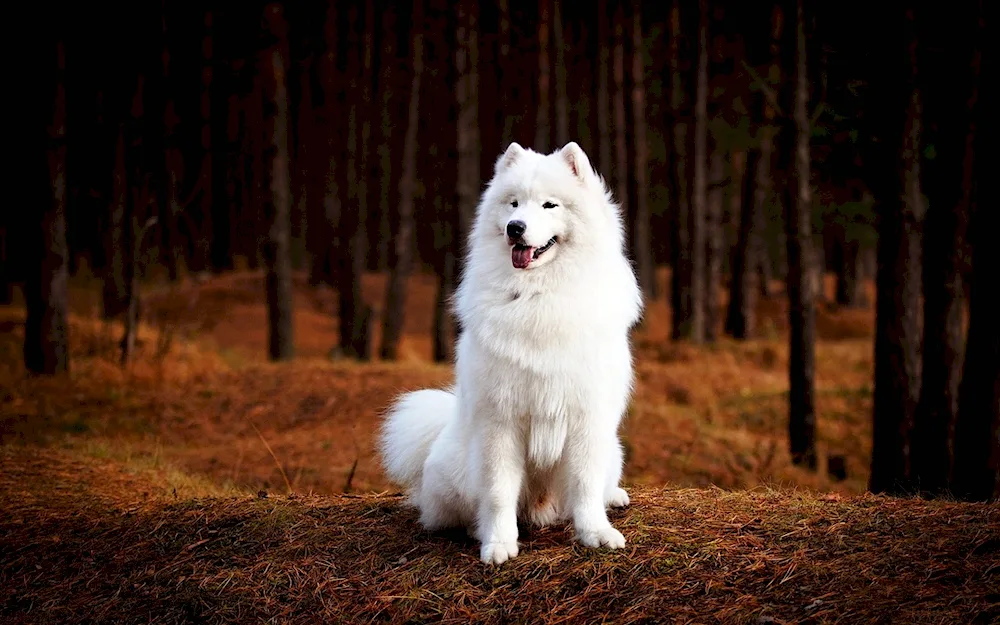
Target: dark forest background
[{"x": 748, "y": 143}]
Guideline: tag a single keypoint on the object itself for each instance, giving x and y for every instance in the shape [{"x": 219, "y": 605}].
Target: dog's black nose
[{"x": 515, "y": 228}]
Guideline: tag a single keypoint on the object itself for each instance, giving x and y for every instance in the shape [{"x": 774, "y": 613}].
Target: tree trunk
[
  {"x": 306, "y": 197},
  {"x": 255, "y": 151},
  {"x": 387, "y": 119},
  {"x": 444, "y": 339},
  {"x": 691, "y": 315},
  {"x": 507, "y": 78},
  {"x": 203, "y": 241},
  {"x": 325, "y": 230},
  {"x": 898, "y": 289},
  {"x": 638, "y": 175},
  {"x": 354, "y": 314},
  {"x": 173, "y": 161},
  {"x": 977, "y": 430},
  {"x": 491, "y": 114},
  {"x": 543, "y": 124},
  {"x": 6, "y": 279},
  {"x": 395, "y": 306},
  {"x": 562, "y": 99},
  {"x": 441, "y": 172},
  {"x": 801, "y": 281},
  {"x": 714, "y": 236},
  {"x": 583, "y": 120},
  {"x": 764, "y": 194},
  {"x": 850, "y": 283},
  {"x": 604, "y": 46},
  {"x": 741, "y": 315},
  {"x": 948, "y": 183},
  {"x": 620, "y": 121},
  {"x": 278, "y": 203},
  {"x": 115, "y": 288},
  {"x": 467, "y": 101},
  {"x": 681, "y": 282},
  {"x": 46, "y": 328}
]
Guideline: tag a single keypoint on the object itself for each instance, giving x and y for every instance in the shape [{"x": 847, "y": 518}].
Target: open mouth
[{"x": 522, "y": 255}]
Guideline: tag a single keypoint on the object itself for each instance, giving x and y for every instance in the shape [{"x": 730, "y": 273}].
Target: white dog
[{"x": 543, "y": 365}]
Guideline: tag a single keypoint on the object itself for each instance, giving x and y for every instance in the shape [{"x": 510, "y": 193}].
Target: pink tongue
[{"x": 521, "y": 256}]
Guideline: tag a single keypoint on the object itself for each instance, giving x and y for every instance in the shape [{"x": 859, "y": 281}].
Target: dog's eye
[
  {"x": 549, "y": 205},
  {"x": 514, "y": 203}
]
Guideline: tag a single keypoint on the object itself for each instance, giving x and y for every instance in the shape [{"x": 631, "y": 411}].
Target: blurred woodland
[{"x": 756, "y": 148}]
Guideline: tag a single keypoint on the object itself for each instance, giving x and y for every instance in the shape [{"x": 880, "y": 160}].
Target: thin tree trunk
[
  {"x": 764, "y": 193},
  {"x": 395, "y": 306},
  {"x": 203, "y": 241},
  {"x": 115, "y": 288},
  {"x": 46, "y": 328},
  {"x": 506, "y": 79},
  {"x": 604, "y": 46},
  {"x": 714, "y": 244},
  {"x": 850, "y": 285},
  {"x": 443, "y": 327},
  {"x": 491, "y": 114},
  {"x": 977, "y": 430},
  {"x": 137, "y": 185},
  {"x": 801, "y": 282},
  {"x": 354, "y": 314},
  {"x": 173, "y": 161},
  {"x": 467, "y": 101},
  {"x": 234, "y": 173},
  {"x": 583, "y": 121},
  {"x": 638, "y": 173},
  {"x": 741, "y": 315},
  {"x": 692, "y": 313},
  {"x": 681, "y": 282},
  {"x": 543, "y": 124},
  {"x": 278, "y": 203},
  {"x": 325, "y": 230},
  {"x": 898, "y": 289},
  {"x": 6, "y": 278},
  {"x": 255, "y": 120},
  {"x": 304, "y": 164},
  {"x": 387, "y": 120},
  {"x": 562, "y": 100},
  {"x": 620, "y": 121}
]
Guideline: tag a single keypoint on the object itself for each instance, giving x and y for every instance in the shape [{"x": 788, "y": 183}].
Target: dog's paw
[
  {"x": 498, "y": 552},
  {"x": 618, "y": 498},
  {"x": 604, "y": 537}
]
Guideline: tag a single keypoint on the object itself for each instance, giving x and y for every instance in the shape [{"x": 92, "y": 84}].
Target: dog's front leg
[
  {"x": 502, "y": 472},
  {"x": 587, "y": 458}
]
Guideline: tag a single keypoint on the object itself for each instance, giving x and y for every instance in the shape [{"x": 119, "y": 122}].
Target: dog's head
[{"x": 541, "y": 205}]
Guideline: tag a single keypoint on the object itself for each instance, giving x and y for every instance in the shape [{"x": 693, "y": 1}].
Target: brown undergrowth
[
  {"x": 84, "y": 541},
  {"x": 199, "y": 386}
]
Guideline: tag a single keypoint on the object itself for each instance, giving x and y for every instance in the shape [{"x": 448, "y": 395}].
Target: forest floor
[{"x": 203, "y": 484}]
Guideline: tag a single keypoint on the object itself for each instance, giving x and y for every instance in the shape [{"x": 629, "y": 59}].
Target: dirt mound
[{"x": 100, "y": 555}]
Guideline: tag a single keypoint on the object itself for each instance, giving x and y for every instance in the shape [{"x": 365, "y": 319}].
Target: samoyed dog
[{"x": 543, "y": 370}]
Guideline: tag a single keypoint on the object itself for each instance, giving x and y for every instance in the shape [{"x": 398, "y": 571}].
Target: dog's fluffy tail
[{"x": 410, "y": 427}]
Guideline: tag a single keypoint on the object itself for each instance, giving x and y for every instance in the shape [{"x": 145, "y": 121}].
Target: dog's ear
[
  {"x": 509, "y": 157},
  {"x": 577, "y": 160}
]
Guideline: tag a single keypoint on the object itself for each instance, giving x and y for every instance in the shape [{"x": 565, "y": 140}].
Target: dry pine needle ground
[{"x": 85, "y": 542}]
